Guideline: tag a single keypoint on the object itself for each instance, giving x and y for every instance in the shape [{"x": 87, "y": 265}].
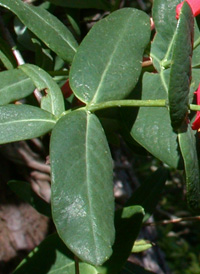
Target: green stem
[{"x": 127, "y": 103}]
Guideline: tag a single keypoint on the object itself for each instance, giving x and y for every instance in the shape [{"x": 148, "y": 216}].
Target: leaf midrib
[
  {"x": 26, "y": 6},
  {"x": 42, "y": 19},
  {"x": 109, "y": 62},
  {"x": 27, "y": 121},
  {"x": 14, "y": 85},
  {"x": 88, "y": 181}
]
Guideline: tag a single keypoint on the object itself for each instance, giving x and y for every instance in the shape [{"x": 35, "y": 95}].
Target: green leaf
[
  {"x": 82, "y": 4},
  {"x": 148, "y": 194},
  {"x": 24, "y": 191},
  {"x": 56, "y": 258},
  {"x": 107, "y": 64},
  {"x": 180, "y": 74},
  {"x": 164, "y": 12},
  {"x": 14, "y": 85},
  {"x": 164, "y": 16},
  {"x": 196, "y": 48},
  {"x": 152, "y": 128},
  {"x": 82, "y": 186},
  {"x": 53, "y": 100},
  {"x": 187, "y": 143},
  {"x": 46, "y": 27},
  {"x": 141, "y": 246},
  {"x": 128, "y": 223},
  {"x": 6, "y": 55},
  {"x": 21, "y": 122}
]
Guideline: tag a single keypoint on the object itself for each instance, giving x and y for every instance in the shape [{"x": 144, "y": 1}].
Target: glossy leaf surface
[
  {"x": 152, "y": 127},
  {"x": 107, "y": 64},
  {"x": 45, "y": 26},
  {"x": 56, "y": 258},
  {"x": 24, "y": 191},
  {"x": 187, "y": 143},
  {"x": 14, "y": 85},
  {"x": 53, "y": 99},
  {"x": 82, "y": 4},
  {"x": 180, "y": 74},
  {"x": 21, "y": 122},
  {"x": 82, "y": 187}
]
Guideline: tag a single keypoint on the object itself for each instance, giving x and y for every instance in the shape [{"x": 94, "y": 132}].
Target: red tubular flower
[
  {"x": 194, "y": 5},
  {"x": 196, "y": 124}
]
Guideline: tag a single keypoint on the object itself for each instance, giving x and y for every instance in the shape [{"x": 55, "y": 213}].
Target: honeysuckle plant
[
  {"x": 154, "y": 110},
  {"x": 194, "y": 5}
]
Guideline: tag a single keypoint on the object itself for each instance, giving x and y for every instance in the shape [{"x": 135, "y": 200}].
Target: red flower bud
[{"x": 194, "y": 5}]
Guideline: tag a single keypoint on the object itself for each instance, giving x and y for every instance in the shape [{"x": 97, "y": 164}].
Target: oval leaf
[
  {"x": 188, "y": 149},
  {"x": 53, "y": 99},
  {"x": 14, "y": 85},
  {"x": 21, "y": 122},
  {"x": 180, "y": 74},
  {"x": 82, "y": 186},
  {"x": 163, "y": 141},
  {"x": 82, "y": 4},
  {"x": 114, "y": 49},
  {"x": 45, "y": 26}
]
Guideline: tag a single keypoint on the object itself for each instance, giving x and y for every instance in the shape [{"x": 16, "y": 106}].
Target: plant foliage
[{"x": 104, "y": 69}]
